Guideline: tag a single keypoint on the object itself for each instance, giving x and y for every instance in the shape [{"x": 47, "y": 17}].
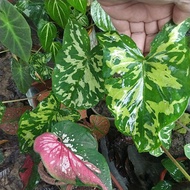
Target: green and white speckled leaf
[
  {"x": 145, "y": 94},
  {"x": 77, "y": 77},
  {"x": 101, "y": 18},
  {"x": 33, "y": 123},
  {"x": 2, "y": 110},
  {"x": 38, "y": 65},
  {"x": 165, "y": 138}
]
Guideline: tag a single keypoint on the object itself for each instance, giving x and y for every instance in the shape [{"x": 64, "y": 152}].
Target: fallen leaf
[{"x": 99, "y": 125}]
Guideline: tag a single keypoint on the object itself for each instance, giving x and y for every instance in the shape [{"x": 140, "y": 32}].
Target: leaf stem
[
  {"x": 17, "y": 100},
  {"x": 187, "y": 176}
]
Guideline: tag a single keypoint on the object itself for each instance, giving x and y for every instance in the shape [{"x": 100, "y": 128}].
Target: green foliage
[
  {"x": 100, "y": 18},
  {"x": 33, "y": 9},
  {"x": 47, "y": 33},
  {"x": 163, "y": 185},
  {"x": 39, "y": 66},
  {"x": 145, "y": 94},
  {"x": 35, "y": 122},
  {"x": 58, "y": 10},
  {"x": 15, "y": 33},
  {"x": 2, "y": 111},
  {"x": 165, "y": 138},
  {"x": 77, "y": 76},
  {"x": 183, "y": 123},
  {"x": 187, "y": 150},
  {"x": 173, "y": 170},
  {"x": 80, "y": 5},
  {"x": 21, "y": 75}
]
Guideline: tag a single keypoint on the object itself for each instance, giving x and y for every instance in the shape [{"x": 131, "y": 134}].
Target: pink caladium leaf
[{"x": 63, "y": 164}]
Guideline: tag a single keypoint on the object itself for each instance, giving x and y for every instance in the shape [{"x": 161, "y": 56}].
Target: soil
[{"x": 130, "y": 169}]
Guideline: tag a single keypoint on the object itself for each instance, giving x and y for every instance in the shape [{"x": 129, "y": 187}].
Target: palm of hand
[{"x": 139, "y": 20}]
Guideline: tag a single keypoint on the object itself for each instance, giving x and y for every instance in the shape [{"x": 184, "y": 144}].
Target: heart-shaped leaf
[
  {"x": 16, "y": 39},
  {"x": 58, "y": 10},
  {"x": 77, "y": 77},
  {"x": 74, "y": 145},
  {"x": 47, "y": 32},
  {"x": 146, "y": 94},
  {"x": 38, "y": 121}
]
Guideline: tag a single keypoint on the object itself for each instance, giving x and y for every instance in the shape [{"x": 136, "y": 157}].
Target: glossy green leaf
[
  {"x": 165, "y": 138},
  {"x": 21, "y": 75},
  {"x": 33, "y": 9},
  {"x": 58, "y": 10},
  {"x": 15, "y": 32},
  {"x": 2, "y": 110},
  {"x": 80, "y": 5},
  {"x": 38, "y": 121},
  {"x": 163, "y": 185},
  {"x": 100, "y": 18},
  {"x": 47, "y": 33},
  {"x": 54, "y": 48},
  {"x": 145, "y": 94},
  {"x": 77, "y": 77},
  {"x": 80, "y": 18},
  {"x": 173, "y": 170},
  {"x": 187, "y": 150},
  {"x": 39, "y": 66},
  {"x": 80, "y": 141},
  {"x": 183, "y": 123}
]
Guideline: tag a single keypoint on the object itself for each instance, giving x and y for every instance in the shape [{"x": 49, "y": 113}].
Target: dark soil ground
[{"x": 130, "y": 169}]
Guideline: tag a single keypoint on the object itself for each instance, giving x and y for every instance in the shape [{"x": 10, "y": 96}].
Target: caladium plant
[{"x": 65, "y": 155}]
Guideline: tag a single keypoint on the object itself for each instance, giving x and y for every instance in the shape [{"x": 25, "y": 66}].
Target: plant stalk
[{"x": 187, "y": 176}]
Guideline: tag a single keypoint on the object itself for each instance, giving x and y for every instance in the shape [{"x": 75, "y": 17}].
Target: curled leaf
[{"x": 63, "y": 164}]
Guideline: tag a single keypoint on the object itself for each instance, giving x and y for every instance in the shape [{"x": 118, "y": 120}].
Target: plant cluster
[{"x": 146, "y": 95}]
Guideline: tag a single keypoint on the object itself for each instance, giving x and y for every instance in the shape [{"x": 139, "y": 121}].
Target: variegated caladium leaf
[
  {"x": 77, "y": 77},
  {"x": 148, "y": 93},
  {"x": 35, "y": 122},
  {"x": 66, "y": 152}
]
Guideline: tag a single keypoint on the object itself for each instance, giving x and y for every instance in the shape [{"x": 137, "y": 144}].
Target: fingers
[{"x": 181, "y": 12}]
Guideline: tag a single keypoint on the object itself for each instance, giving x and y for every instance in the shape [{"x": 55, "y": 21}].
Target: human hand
[{"x": 143, "y": 19}]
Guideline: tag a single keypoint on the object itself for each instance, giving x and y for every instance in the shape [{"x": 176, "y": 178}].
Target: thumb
[{"x": 181, "y": 11}]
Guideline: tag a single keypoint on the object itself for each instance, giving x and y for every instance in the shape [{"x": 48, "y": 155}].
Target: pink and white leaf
[{"x": 63, "y": 164}]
